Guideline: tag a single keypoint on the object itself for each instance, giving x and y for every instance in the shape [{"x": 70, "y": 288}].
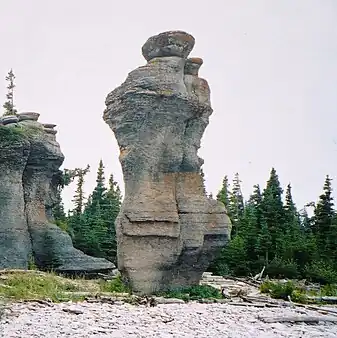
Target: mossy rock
[
  {"x": 11, "y": 134},
  {"x": 18, "y": 132}
]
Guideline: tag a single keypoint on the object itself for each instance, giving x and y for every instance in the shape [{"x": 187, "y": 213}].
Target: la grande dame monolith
[{"x": 168, "y": 230}]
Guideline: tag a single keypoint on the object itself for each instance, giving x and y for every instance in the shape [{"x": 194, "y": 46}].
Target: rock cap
[
  {"x": 9, "y": 119},
  {"x": 171, "y": 43},
  {"x": 28, "y": 116}
]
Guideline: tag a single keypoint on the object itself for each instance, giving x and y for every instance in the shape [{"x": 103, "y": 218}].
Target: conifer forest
[{"x": 268, "y": 229}]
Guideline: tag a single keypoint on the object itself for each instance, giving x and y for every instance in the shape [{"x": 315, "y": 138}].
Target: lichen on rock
[{"x": 168, "y": 231}]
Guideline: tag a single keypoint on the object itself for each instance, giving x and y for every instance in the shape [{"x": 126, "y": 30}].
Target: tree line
[
  {"x": 267, "y": 230},
  {"x": 270, "y": 232},
  {"x": 91, "y": 223}
]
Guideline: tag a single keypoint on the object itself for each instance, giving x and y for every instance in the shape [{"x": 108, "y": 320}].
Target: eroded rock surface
[
  {"x": 15, "y": 245},
  {"x": 30, "y": 160},
  {"x": 168, "y": 231}
]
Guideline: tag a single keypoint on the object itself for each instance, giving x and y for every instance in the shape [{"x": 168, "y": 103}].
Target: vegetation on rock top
[{"x": 10, "y": 135}]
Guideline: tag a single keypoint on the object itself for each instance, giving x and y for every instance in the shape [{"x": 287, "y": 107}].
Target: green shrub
[
  {"x": 192, "y": 293},
  {"x": 280, "y": 290},
  {"x": 329, "y": 290},
  {"x": 232, "y": 259},
  {"x": 278, "y": 268},
  {"x": 115, "y": 285},
  {"x": 31, "y": 263},
  {"x": 321, "y": 272},
  {"x": 10, "y": 134}
]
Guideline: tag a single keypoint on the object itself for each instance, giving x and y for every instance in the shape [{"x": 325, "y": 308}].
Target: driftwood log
[
  {"x": 327, "y": 299},
  {"x": 298, "y": 319}
]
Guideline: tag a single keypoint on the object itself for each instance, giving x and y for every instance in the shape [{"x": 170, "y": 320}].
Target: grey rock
[
  {"x": 30, "y": 159},
  {"x": 52, "y": 246},
  {"x": 172, "y": 43},
  {"x": 168, "y": 231},
  {"x": 30, "y": 116},
  {"x": 50, "y": 131},
  {"x": 15, "y": 245},
  {"x": 49, "y": 125},
  {"x": 9, "y": 119}
]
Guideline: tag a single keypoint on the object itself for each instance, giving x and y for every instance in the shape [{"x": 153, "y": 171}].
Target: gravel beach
[{"x": 165, "y": 320}]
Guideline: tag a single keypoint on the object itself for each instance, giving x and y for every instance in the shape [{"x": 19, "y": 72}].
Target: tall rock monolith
[{"x": 168, "y": 230}]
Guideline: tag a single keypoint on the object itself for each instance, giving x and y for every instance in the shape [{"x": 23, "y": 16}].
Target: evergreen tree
[
  {"x": 112, "y": 205},
  {"x": 9, "y": 104},
  {"x": 114, "y": 196},
  {"x": 236, "y": 204},
  {"x": 95, "y": 225},
  {"x": 290, "y": 243},
  {"x": 79, "y": 194},
  {"x": 202, "y": 174},
  {"x": 58, "y": 209},
  {"x": 100, "y": 189},
  {"x": 273, "y": 215},
  {"x": 223, "y": 194},
  {"x": 290, "y": 208},
  {"x": 255, "y": 200},
  {"x": 305, "y": 220},
  {"x": 323, "y": 219},
  {"x": 248, "y": 231},
  {"x": 60, "y": 180},
  {"x": 264, "y": 243},
  {"x": 95, "y": 228}
]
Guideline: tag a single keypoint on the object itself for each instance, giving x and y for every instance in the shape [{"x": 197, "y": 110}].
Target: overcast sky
[{"x": 271, "y": 66}]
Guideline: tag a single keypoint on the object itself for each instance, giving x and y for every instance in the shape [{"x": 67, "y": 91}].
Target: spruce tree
[
  {"x": 202, "y": 174},
  {"x": 223, "y": 194},
  {"x": 264, "y": 243},
  {"x": 236, "y": 203},
  {"x": 79, "y": 193},
  {"x": 290, "y": 208},
  {"x": 250, "y": 227},
  {"x": 94, "y": 229},
  {"x": 9, "y": 104},
  {"x": 273, "y": 214},
  {"x": 255, "y": 200},
  {"x": 112, "y": 205},
  {"x": 248, "y": 230},
  {"x": 58, "y": 216},
  {"x": 323, "y": 219},
  {"x": 100, "y": 189},
  {"x": 58, "y": 209}
]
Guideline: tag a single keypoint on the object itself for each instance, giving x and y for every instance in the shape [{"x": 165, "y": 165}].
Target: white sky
[{"x": 271, "y": 65}]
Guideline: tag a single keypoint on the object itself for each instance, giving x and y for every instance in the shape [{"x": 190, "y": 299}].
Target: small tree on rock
[{"x": 9, "y": 104}]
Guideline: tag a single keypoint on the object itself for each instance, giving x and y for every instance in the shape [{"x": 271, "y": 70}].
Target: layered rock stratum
[
  {"x": 30, "y": 158},
  {"x": 168, "y": 230}
]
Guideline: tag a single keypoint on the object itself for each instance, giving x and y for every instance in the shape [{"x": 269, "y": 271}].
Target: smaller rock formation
[
  {"x": 30, "y": 158},
  {"x": 15, "y": 244},
  {"x": 168, "y": 231}
]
